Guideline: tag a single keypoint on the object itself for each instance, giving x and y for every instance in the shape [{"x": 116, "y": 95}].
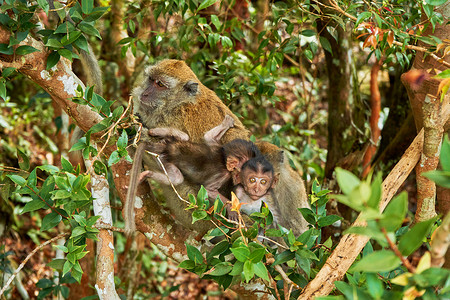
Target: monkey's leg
[
  {"x": 164, "y": 132},
  {"x": 173, "y": 173},
  {"x": 213, "y": 136}
]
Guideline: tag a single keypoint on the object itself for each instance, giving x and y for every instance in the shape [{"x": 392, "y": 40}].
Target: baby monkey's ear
[{"x": 233, "y": 164}]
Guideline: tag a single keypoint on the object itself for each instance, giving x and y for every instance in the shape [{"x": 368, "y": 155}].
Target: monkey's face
[
  {"x": 161, "y": 88},
  {"x": 256, "y": 184}
]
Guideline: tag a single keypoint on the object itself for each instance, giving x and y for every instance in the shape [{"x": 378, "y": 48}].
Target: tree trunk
[
  {"x": 426, "y": 107},
  {"x": 339, "y": 94}
]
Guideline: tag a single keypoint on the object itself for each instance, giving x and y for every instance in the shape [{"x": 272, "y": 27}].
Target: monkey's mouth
[{"x": 254, "y": 196}]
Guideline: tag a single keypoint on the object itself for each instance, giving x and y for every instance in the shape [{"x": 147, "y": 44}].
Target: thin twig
[
  {"x": 397, "y": 252},
  {"x": 280, "y": 270},
  {"x": 103, "y": 225},
  {"x": 28, "y": 258},
  {"x": 272, "y": 241},
  {"x": 157, "y": 156}
]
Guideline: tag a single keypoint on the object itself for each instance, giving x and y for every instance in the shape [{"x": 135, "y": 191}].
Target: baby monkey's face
[{"x": 256, "y": 184}]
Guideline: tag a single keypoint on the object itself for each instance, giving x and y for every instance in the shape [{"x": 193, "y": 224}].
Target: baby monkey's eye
[
  {"x": 252, "y": 180},
  {"x": 159, "y": 83},
  {"x": 263, "y": 181}
]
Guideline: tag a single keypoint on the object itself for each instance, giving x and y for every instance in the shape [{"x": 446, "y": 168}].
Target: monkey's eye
[
  {"x": 263, "y": 181},
  {"x": 160, "y": 84},
  {"x": 252, "y": 180}
]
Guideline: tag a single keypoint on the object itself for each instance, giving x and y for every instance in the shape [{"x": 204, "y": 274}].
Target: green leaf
[
  {"x": 5, "y": 49},
  {"x": 325, "y": 44},
  {"x": 215, "y": 20},
  {"x": 445, "y": 151},
  {"x": 202, "y": 195},
  {"x": 66, "y": 53},
  {"x": 24, "y": 161},
  {"x": 441, "y": 178},
  {"x": 17, "y": 179},
  {"x": 8, "y": 71},
  {"x": 362, "y": 16},
  {"x": 70, "y": 38},
  {"x": 89, "y": 29},
  {"x": 261, "y": 271},
  {"x": 257, "y": 255},
  {"x": 395, "y": 212},
  {"x": 237, "y": 268},
  {"x": 67, "y": 267},
  {"x": 241, "y": 253},
  {"x": 77, "y": 231},
  {"x": 308, "y": 214},
  {"x": 218, "y": 249},
  {"x": 24, "y": 50},
  {"x": 375, "y": 192},
  {"x": 187, "y": 264},
  {"x": 87, "y": 6},
  {"x": 205, "y": 4},
  {"x": 57, "y": 264},
  {"x": 194, "y": 254},
  {"x": 226, "y": 42},
  {"x": 2, "y": 88},
  {"x": 33, "y": 205},
  {"x": 347, "y": 181},
  {"x": 413, "y": 239},
  {"x": 308, "y": 33},
  {"x": 52, "y": 60},
  {"x": 198, "y": 214},
  {"x": 221, "y": 269},
  {"x": 375, "y": 286},
  {"x": 50, "y": 221},
  {"x": 248, "y": 270},
  {"x": 435, "y": 2},
  {"x": 380, "y": 261},
  {"x": 328, "y": 220},
  {"x": 66, "y": 165},
  {"x": 123, "y": 140},
  {"x": 113, "y": 158},
  {"x": 284, "y": 257},
  {"x": 443, "y": 75},
  {"x": 53, "y": 43}
]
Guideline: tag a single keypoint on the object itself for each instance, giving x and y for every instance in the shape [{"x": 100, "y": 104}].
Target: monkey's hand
[
  {"x": 144, "y": 175},
  {"x": 164, "y": 132},
  {"x": 232, "y": 215}
]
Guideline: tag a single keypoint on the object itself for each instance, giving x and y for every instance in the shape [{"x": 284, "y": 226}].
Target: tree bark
[
  {"x": 425, "y": 104},
  {"x": 339, "y": 94}
]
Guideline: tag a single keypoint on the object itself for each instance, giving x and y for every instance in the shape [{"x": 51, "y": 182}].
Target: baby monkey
[
  {"x": 254, "y": 184},
  {"x": 238, "y": 162}
]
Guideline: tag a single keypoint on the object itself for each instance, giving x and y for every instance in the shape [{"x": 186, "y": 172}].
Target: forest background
[{"x": 359, "y": 86}]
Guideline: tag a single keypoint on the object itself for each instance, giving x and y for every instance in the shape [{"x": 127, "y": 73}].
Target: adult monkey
[{"x": 170, "y": 95}]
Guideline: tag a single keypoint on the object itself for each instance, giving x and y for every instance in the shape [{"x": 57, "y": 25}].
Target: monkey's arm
[
  {"x": 213, "y": 136},
  {"x": 164, "y": 132}
]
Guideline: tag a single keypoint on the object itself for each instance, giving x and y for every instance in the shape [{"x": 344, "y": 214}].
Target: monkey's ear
[
  {"x": 232, "y": 163},
  {"x": 191, "y": 87},
  {"x": 276, "y": 177}
]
